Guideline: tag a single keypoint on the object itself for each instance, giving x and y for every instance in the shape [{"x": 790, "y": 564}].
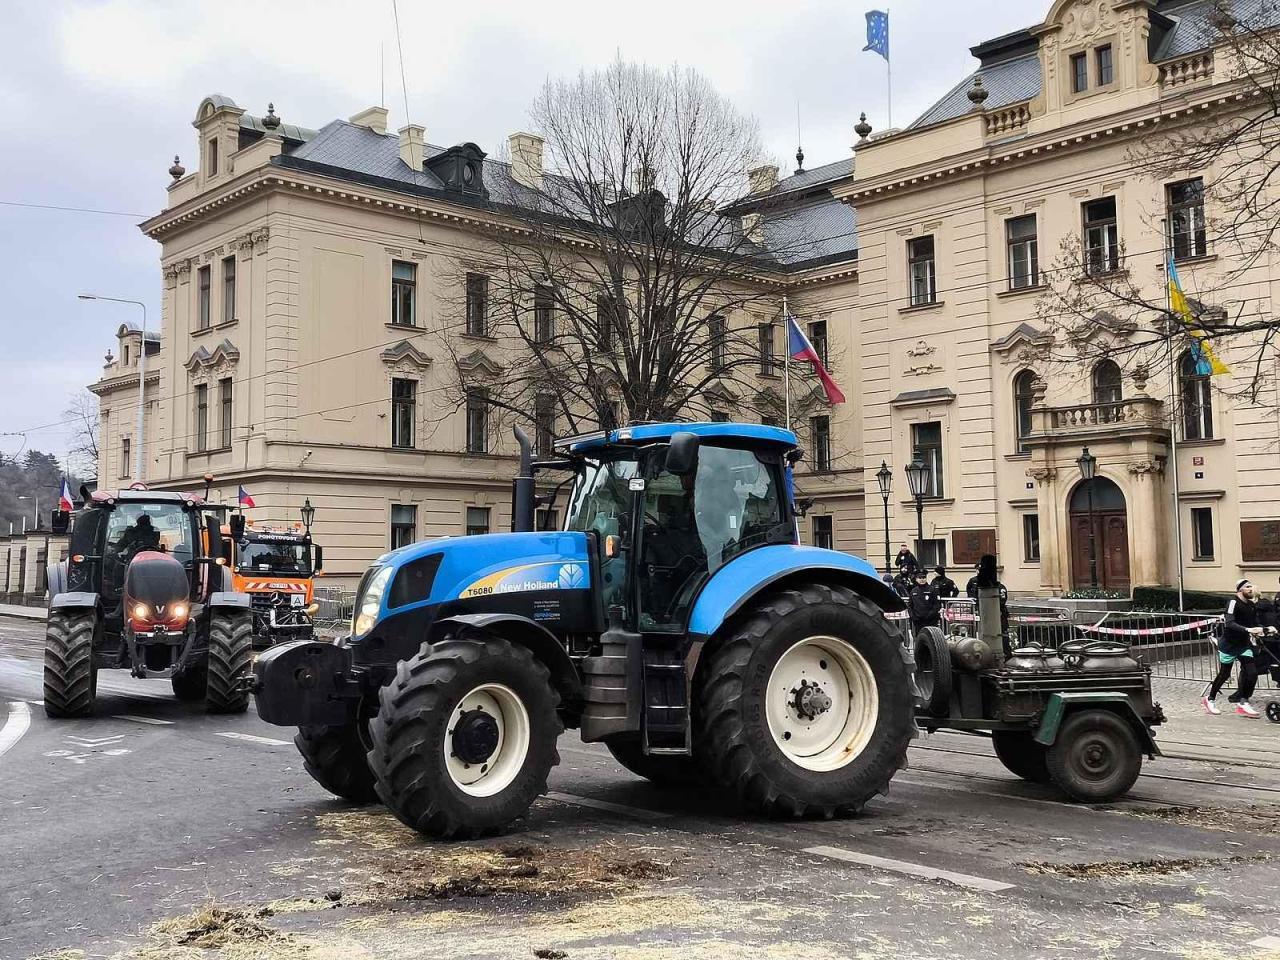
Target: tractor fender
[
  {"x": 744, "y": 578},
  {"x": 74, "y": 600},
  {"x": 540, "y": 641},
  {"x": 1061, "y": 705},
  {"x": 56, "y": 578},
  {"x": 227, "y": 599}
]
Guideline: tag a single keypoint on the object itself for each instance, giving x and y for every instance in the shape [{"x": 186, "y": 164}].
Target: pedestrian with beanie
[{"x": 1242, "y": 630}]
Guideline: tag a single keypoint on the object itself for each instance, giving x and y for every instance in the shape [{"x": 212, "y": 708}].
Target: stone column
[
  {"x": 1147, "y": 501},
  {"x": 1055, "y": 546}
]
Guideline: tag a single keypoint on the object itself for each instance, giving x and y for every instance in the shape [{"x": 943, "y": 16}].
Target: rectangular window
[
  {"x": 606, "y": 320},
  {"x": 544, "y": 324},
  {"x": 768, "y": 421},
  {"x": 820, "y": 432},
  {"x": 404, "y": 405},
  {"x": 926, "y": 441},
  {"x": 1106, "y": 67},
  {"x": 404, "y": 284},
  {"x": 1024, "y": 252},
  {"x": 546, "y": 519},
  {"x": 1101, "y": 237},
  {"x": 544, "y": 423},
  {"x": 922, "y": 271},
  {"x": 228, "y": 289},
  {"x": 224, "y": 419},
  {"x": 767, "y": 364},
  {"x": 1202, "y": 533},
  {"x": 477, "y": 521},
  {"x": 202, "y": 417},
  {"x": 404, "y": 525},
  {"x": 1079, "y": 72},
  {"x": 1186, "y": 219},
  {"x": 126, "y": 457},
  {"x": 477, "y": 304},
  {"x": 477, "y": 421},
  {"x": 125, "y": 355},
  {"x": 204, "y": 278},
  {"x": 818, "y": 337},
  {"x": 212, "y": 164},
  {"x": 1031, "y": 537},
  {"x": 719, "y": 416},
  {"x": 716, "y": 338},
  {"x": 931, "y": 553},
  {"x": 824, "y": 533},
  {"x": 611, "y": 415}
]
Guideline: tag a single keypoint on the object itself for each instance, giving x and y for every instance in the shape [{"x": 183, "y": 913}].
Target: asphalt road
[{"x": 154, "y": 831}]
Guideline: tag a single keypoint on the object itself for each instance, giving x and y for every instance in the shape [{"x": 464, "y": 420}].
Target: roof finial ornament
[
  {"x": 799, "y": 159},
  {"x": 177, "y": 171},
  {"x": 271, "y": 121},
  {"x": 862, "y": 129},
  {"x": 978, "y": 93}
]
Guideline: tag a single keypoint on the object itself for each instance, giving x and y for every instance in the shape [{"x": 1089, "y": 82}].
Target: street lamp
[
  {"x": 142, "y": 377},
  {"x": 917, "y": 482},
  {"x": 308, "y": 514},
  {"x": 1088, "y": 465},
  {"x": 884, "y": 476}
]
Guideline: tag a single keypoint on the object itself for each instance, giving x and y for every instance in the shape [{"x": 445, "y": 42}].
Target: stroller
[{"x": 1267, "y": 653}]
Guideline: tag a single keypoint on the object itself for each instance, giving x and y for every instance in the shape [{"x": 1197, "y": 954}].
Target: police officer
[
  {"x": 924, "y": 604},
  {"x": 945, "y": 586},
  {"x": 986, "y": 578}
]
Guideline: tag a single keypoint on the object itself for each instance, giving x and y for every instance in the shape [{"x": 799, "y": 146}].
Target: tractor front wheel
[
  {"x": 805, "y": 707},
  {"x": 230, "y": 661},
  {"x": 337, "y": 759},
  {"x": 70, "y": 678},
  {"x": 465, "y": 737}
]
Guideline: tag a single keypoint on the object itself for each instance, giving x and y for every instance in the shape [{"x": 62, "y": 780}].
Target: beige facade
[{"x": 280, "y": 379}]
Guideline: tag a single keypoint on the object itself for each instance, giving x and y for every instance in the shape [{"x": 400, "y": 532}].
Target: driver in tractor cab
[{"x": 141, "y": 536}]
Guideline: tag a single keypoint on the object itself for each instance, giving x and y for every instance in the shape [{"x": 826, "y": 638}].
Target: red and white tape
[{"x": 1149, "y": 631}]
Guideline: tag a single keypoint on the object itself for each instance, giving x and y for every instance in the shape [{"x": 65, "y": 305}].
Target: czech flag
[
  {"x": 64, "y": 497},
  {"x": 245, "y": 499},
  {"x": 800, "y": 348}
]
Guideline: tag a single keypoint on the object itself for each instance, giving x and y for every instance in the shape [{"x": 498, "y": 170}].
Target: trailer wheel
[
  {"x": 805, "y": 707},
  {"x": 1096, "y": 756},
  {"x": 230, "y": 661},
  {"x": 933, "y": 671},
  {"x": 337, "y": 759},
  {"x": 1021, "y": 755},
  {"x": 70, "y": 678},
  {"x": 465, "y": 737},
  {"x": 666, "y": 771}
]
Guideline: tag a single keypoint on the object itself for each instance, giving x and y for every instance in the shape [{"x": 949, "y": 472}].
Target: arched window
[
  {"x": 1197, "y": 399},
  {"x": 1106, "y": 382},
  {"x": 1022, "y": 400}
]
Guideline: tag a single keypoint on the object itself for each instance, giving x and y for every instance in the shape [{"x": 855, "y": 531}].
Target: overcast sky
[{"x": 97, "y": 98}]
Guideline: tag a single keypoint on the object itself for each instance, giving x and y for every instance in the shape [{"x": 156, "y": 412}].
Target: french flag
[
  {"x": 801, "y": 349},
  {"x": 65, "y": 503},
  {"x": 245, "y": 500}
]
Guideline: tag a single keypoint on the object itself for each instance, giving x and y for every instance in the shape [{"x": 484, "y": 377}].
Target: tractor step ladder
[{"x": 666, "y": 703}]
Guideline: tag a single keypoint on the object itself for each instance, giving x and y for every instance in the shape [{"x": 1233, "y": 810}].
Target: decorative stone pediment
[
  {"x": 719, "y": 394},
  {"x": 1082, "y": 20},
  {"x": 479, "y": 362},
  {"x": 405, "y": 356},
  {"x": 770, "y": 400},
  {"x": 216, "y": 362},
  {"x": 1024, "y": 344}
]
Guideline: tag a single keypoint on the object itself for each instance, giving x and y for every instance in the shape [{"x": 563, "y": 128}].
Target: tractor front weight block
[{"x": 303, "y": 683}]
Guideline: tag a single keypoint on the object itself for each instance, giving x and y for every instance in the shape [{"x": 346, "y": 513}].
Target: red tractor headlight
[
  {"x": 141, "y": 611},
  {"x": 179, "y": 611}
]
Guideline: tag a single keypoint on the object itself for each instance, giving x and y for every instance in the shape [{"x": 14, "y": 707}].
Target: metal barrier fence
[{"x": 336, "y": 606}]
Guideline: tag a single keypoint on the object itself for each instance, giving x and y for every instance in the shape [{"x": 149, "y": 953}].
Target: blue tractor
[{"x": 675, "y": 618}]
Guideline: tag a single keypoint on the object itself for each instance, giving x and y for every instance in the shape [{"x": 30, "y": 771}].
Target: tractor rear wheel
[
  {"x": 70, "y": 678},
  {"x": 230, "y": 661},
  {"x": 1021, "y": 754},
  {"x": 337, "y": 759},
  {"x": 805, "y": 707},
  {"x": 465, "y": 737},
  {"x": 666, "y": 771}
]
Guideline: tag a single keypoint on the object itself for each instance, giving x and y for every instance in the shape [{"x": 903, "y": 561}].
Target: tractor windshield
[
  {"x": 601, "y": 500},
  {"x": 281, "y": 556},
  {"x": 135, "y": 527}
]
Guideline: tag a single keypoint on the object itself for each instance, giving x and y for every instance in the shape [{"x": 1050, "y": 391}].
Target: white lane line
[
  {"x": 18, "y": 723},
  {"x": 250, "y": 738},
  {"x": 130, "y": 716},
  {"x": 910, "y": 869},
  {"x": 1266, "y": 943},
  {"x": 605, "y": 805},
  {"x": 36, "y": 703}
]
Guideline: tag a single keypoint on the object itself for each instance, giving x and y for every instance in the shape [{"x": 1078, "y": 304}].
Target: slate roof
[{"x": 1007, "y": 82}]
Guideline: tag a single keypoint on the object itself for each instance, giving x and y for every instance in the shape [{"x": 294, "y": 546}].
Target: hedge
[{"x": 1166, "y": 598}]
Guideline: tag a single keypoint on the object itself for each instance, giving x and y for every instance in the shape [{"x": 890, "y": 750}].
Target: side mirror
[
  {"x": 317, "y": 553},
  {"x": 237, "y": 526},
  {"x": 60, "y": 523},
  {"x": 682, "y": 454}
]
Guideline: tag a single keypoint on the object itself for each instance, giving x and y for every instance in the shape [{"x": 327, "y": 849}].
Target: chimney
[
  {"x": 753, "y": 226},
  {"x": 763, "y": 178},
  {"x": 526, "y": 159},
  {"x": 413, "y": 145},
  {"x": 375, "y": 118}
]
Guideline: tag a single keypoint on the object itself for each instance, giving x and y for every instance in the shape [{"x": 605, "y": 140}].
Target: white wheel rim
[
  {"x": 495, "y": 773},
  {"x": 822, "y": 704}
]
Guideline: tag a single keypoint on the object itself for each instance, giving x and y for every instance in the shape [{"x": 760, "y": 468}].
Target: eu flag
[{"x": 878, "y": 32}]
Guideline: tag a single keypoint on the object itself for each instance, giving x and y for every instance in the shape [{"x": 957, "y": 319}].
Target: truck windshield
[
  {"x": 601, "y": 500},
  {"x": 275, "y": 557}
]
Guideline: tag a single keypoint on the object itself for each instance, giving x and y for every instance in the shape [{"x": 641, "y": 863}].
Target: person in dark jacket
[
  {"x": 945, "y": 586},
  {"x": 924, "y": 605},
  {"x": 1242, "y": 629},
  {"x": 905, "y": 560}
]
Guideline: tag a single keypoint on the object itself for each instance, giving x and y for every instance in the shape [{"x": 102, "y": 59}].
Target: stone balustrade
[
  {"x": 1006, "y": 120},
  {"x": 1177, "y": 73},
  {"x": 1141, "y": 412}
]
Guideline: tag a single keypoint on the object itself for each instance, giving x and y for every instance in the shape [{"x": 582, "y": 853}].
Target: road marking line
[
  {"x": 910, "y": 869},
  {"x": 36, "y": 703},
  {"x": 1266, "y": 943},
  {"x": 18, "y": 723},
  {"x": 130, "y": 716},
  {"x": 605, "y": 805},
  {"x": 95, "y": 741},
  {"x": 250, "y": 738}
]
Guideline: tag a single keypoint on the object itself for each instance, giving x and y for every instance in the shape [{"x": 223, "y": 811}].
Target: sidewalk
[
  {"x": 25, "y": 613},
  {"x": 1190, "y": 732}
]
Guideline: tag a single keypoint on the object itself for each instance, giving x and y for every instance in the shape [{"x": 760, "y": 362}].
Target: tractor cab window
[
  {"x": 695, "y": 524},
  {"x": 283, "y": 557},
  {"x": 601, "y": 504},
  {"x": 135, "y": 527}
]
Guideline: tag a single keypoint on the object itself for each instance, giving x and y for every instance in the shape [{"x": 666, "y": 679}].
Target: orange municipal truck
[{"x": 276, "y": 567}]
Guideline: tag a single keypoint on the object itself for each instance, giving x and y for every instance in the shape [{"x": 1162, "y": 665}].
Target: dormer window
[
  {"x": 1079, "y": 72},
  {"x": 1106, "y": 67},
  {"x": 212, "y": 164}
]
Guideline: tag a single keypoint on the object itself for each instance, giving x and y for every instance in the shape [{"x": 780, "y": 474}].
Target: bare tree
[
  {"x": 629, "y": 287},
  {"x": 82, "y": 450}
]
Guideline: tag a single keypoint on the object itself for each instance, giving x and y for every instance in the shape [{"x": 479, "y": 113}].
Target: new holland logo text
[{"x": 530, "y": 577}]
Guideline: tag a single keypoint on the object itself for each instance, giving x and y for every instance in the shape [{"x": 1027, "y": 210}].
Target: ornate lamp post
[
  {"x": 884, "y": 476},
  {"x": 917, "y": 481},
  {"x": 1088, "y": 465},
  {"x": 308, "y": 514}
]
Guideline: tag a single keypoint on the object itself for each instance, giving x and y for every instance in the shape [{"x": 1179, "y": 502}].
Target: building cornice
[{"x": 112, "y": 384}]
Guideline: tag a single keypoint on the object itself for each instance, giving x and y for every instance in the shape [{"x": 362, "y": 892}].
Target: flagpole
[
  {"x": 1173, "y": 406},
  {"x": 786, "y": 359},
  {"x": 888, "y": 66}
]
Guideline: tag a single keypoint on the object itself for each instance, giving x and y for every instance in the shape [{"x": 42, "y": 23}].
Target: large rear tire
[
  {"x": 1021, "y": 755},
  {"x": 666, "y": 771},
  {"x": 465, "y": 737},
  {"x": 337, "y": 759},
  {"x": 230, "y": 661},
  {"x": 70, "y": 679},
  {"x": 805, "y": 707},
  {"x": 1096, "y": 756}
]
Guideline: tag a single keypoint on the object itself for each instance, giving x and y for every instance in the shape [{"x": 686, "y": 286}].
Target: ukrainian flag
[{"x": 1207, "y": 362}]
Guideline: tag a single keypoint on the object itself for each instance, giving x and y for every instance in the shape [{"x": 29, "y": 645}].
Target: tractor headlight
[
  {"x": 140, "y": 611},
  {"x": 367, "y": 606},
  {"x": 179, "y": 611}
]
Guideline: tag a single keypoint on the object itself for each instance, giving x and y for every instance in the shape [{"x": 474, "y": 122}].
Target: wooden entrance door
[{"x": 1111, "y": 540}]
